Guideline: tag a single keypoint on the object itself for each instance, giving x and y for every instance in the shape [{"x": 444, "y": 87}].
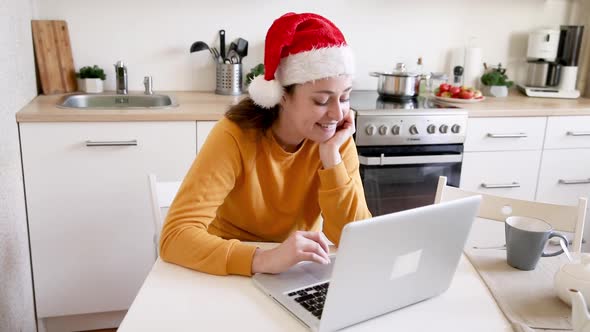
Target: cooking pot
[{"x": 398, "y": 83}]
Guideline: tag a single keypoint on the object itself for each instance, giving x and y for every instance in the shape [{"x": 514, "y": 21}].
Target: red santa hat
[{"x": 299, "y": 48}]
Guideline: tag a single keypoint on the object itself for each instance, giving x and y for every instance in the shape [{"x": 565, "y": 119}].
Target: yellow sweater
[{"x": 244, "y": 186}]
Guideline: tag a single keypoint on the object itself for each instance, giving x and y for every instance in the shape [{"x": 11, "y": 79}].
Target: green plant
[
  {"x": 91, "y": 72},
  {"x": 496, "y": 76},
  {"x": 255, "y": 71}
]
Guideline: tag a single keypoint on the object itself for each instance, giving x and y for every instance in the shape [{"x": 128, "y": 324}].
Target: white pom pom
[{"x": 266, "y": 94}]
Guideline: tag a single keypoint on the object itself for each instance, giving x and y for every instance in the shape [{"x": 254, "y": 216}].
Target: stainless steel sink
[{"x": 113, "y": 101}]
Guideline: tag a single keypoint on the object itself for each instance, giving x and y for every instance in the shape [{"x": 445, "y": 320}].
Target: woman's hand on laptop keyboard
[{"x": 298, "y": 247}]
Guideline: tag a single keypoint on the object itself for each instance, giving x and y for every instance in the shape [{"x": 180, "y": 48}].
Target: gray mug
[{"x": 525, "y": 240}]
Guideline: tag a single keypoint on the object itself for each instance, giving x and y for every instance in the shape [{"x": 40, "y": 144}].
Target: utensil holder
[{"x": 229, "y": 79}]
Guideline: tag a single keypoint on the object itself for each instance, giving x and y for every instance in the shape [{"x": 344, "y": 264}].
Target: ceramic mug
[{"x": 525, "y": 240}]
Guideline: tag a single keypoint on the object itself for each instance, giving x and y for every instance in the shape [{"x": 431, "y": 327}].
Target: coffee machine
[{"x": 552, "y": 62}]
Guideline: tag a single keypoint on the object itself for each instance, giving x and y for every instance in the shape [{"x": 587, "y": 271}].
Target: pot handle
[{"x": 374, "y": 74}]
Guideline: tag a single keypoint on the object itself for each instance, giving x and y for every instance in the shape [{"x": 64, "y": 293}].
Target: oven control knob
[
  {"x": 395, "y": 130},
  {"x": 456, "y": 128},
  {"x": 370, "y": 130},
  {"x": 383, "y": 130},
  {"x": 413, "y": 130},
  {"x": 431, "y": 129},
  {"x": 443, "y": 129}
]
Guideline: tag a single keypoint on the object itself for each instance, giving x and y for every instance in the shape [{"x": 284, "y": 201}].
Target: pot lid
[
  {"x": 579, "y": 270},
  {"x": 400, "y": 70}
]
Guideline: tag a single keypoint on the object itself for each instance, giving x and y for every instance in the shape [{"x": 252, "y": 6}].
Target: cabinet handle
[
  {"x": 517, "y": 135},
  {"x": 578, "y": 133},
  {"x": 583, "y": 181},
  {"x": 501, "y": 185},
  {"x": 132, "y": 142}
]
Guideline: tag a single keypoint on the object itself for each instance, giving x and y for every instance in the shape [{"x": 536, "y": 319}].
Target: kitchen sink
[{"x": 98, "y": 101}]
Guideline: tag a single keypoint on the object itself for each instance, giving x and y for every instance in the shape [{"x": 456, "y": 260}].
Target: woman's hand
[
  {"x": 330, "y": 149},
  {"x": 299, "y": 246}
]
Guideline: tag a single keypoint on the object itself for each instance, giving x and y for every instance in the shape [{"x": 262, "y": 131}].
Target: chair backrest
[
  {"x": 162, "y": 195},
  {"x": 565, "y": 218}
]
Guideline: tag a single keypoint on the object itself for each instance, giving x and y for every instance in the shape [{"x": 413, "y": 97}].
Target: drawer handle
[
  {"x": 578, "y": 133},
  {"x": 132, "y": 142},
  {"x": 583, "y": 181},
  {"x": 518, "y": 135},
  {"x": 501, "y": 185}
]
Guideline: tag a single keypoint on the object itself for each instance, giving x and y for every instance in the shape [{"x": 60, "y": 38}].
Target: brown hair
[{"x": 248, "y": 115}]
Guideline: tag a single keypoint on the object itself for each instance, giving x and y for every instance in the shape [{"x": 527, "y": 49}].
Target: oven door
[{"x": 398, "y": 178}]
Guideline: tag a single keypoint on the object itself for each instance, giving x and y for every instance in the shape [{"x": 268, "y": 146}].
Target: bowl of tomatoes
[{"x": 458, "y": 94}]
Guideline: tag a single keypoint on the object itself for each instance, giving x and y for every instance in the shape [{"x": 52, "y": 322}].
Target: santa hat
[{"x": 299, "y": 48}]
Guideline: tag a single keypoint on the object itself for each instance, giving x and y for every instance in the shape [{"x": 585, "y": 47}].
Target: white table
[{"x": 174, "y": 298}]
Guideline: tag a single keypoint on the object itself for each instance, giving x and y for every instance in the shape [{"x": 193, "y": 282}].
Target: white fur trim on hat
[
  {"x": 266, "y": 94},
  {"x": 315, "y": 64}
]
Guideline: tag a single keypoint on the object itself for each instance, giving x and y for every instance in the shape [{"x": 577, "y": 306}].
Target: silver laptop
[{"x": 383, "y": 264}]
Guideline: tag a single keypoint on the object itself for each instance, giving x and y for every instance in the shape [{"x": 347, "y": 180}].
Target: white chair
[
  {"x": 162, "y": 195},
  {"x": 564, "y": 218}
]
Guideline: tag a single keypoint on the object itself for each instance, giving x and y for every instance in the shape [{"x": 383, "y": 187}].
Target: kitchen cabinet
[
  {"x": 88, "y": 203},
  {"x": 203, "y": 130},
  {"x": 502, "y": 156}
]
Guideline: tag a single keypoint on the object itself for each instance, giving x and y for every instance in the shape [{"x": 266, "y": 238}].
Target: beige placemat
[{"x": 526, "y": 297}]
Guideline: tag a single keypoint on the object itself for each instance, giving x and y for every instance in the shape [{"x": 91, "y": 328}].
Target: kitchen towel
[
  {"x": 525, "y": 297},
  {"x": 473, "y": 67}
]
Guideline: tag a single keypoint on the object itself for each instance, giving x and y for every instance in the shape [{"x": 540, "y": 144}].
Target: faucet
[
  {"x": 121, "y": 78},
  {"x": 147, "y": 83}
]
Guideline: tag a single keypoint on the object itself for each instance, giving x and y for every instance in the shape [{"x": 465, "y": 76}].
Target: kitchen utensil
[
  {"x": 574, "y": 275},
  {"x": 459, "y": 100},
  {"x": 242, "y": 48},
  {"x": 398, "y": 83},
  {"x": 233, "y": 56},
  {"x": 537, "y": 73},
  {"x": 222, "y": 43},
  {"x": 53, "y": 55},
  {"x": 228, "y": 79},
  {"x": 580, "y": 315},
  {"x": 458, "y": 72},
  {"x": 199, "y": 46},
  {"x": 525, "y": 240},
  {"x": 216, "y": 54}
]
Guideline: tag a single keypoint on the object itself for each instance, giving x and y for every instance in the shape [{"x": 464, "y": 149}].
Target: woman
[{"x": 276, "y": 164}]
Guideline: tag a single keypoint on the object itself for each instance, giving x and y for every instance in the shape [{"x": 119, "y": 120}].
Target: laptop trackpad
[{"x": 301, "y": 274}]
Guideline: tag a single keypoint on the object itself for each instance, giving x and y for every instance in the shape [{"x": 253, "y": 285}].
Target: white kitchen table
[{"x": 174, "y": 298}]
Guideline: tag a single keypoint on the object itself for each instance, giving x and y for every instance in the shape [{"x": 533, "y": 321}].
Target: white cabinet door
[
  {"x": 203, "y": 130},
  {"x": 568, "y": 132},
  {"x": 88, "y": 203},
  {"x": 506, "y": 173},
  {"x": 499, "y": 134},
  {"x": 564, "y": 176}
]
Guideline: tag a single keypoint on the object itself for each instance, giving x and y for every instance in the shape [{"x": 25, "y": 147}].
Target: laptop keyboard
[{"x": 312, "y": 298}]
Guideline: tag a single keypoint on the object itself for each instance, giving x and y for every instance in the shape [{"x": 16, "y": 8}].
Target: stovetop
[
  {"x": 385, "y": 121},
  {"x": 368, "y": 100}
]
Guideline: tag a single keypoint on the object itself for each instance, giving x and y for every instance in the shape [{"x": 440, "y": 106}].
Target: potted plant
[
  {"x": 495, "y": 82},
  {"x": 255, "y": 71},
  {"x": 90, "y": 79}
]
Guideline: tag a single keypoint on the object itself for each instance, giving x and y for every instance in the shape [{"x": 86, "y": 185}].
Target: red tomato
[
  {"x": 454, "y": 90},
  {"x": 439, "y": 94},
  {"x": 444, "y": 87},
  {"x": 466, "y": 94}
]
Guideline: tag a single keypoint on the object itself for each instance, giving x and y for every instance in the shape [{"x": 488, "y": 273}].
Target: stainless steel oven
[{"x": 403, "y": 147}]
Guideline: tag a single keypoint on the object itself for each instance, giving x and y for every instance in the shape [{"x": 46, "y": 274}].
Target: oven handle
[{"x": 409, "y": 160}]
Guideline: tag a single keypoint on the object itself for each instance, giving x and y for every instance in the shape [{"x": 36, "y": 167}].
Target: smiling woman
[{"x": 281, "y": 166}]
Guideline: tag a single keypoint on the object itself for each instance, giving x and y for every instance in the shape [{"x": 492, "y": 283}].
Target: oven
[
  {"x": 397, "y": 178},
  {"x": 403, "y": 148}
]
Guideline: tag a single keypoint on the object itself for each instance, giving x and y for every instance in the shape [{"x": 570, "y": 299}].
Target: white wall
[
  {"x": 153, "y": 38},
  {"x": 17, "y": 87}
]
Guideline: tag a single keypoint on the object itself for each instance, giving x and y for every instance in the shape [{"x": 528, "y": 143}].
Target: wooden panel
[{"x": 53, "y": 54}]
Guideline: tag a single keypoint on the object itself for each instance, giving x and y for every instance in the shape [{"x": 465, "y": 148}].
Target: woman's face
[{"x": 315, "y": 109}]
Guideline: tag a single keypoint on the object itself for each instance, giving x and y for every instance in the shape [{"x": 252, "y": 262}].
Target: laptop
[{"x": 383, "y": 264}]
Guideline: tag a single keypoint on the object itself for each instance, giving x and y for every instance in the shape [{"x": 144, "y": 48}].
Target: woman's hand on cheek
[{"x": 330, "y": 149}]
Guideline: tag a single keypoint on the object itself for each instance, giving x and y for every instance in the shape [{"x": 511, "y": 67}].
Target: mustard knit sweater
[{"x": 244, "y": 187}]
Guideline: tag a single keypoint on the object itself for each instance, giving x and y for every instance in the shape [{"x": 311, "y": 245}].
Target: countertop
[{"x": 202, "y": 106}]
